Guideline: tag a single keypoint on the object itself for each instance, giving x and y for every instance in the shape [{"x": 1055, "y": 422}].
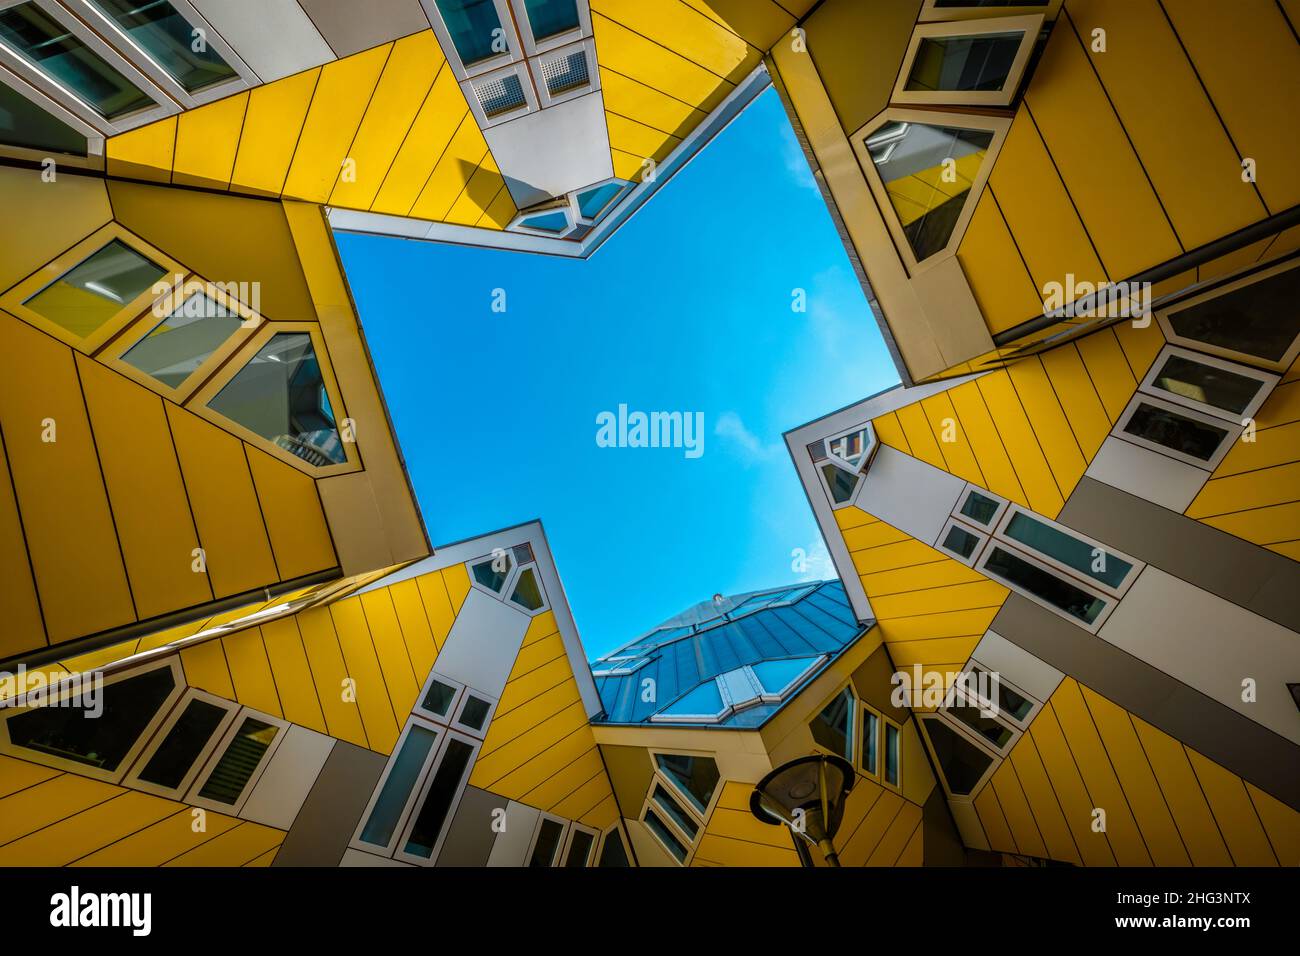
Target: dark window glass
[
  {"x": 170, "y": 39},
  {"x": 666, "y": 836},
  {"x": 831, "y": 728},
  {"x": 175, "y": 348},
  {"x": 988, "y": 728},
  {"x": 579, "y": 849},
  {"x": 1009, "y": 702},
  {"x": 398, "y": 785},
  {"x": 673, "y": 810},
  {"x": 50, "y": 47},
  {"x": 1207, "y": 383},
  {"x": 238, "y": 764},
  {"x": 1166, "y": 427},
  {"x": 891, "y": 754},
  {"x": 613, "y": 853},
  {"x": 102, "y": 741},
  {"x": 527, "y": 593},
  {"x": 870, "y": 725},
  {"x": 1067, "y": 549},
  {"x": 493, "y": 572},
  {"x": 438, "y": 699},
  {"x": 961, "y": 762},
  {"x": 280, "y": 395},
  {"x": 841, "y": 483},
  {"x": 96, "y": 289},
  {"x": 474, "y": 713},
  {"x": 437, "y": 802},
  {"x": 960, "y": 541},
  {"x": 1055, "y": 590},
  {"x": 548, "y": 843},
  {"x": 473, "y": 25},
  {"x": 696, "y": 777},
  {"x": 963, "y": 64},
  {"x": 183, "y": 744},
  {"x": 551, "y": 17},
  {"x": 24, "y": 124},
  {"x": 979, "y": 508},
  {"x": 1261, "y": 319}
]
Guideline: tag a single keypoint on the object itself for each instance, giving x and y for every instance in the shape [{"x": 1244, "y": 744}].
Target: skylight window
[
  {"x": 169, "y": 39},
  {"x": 967, "y": 64},
  {"x": 474, "y": 26},
  {"x": 88, "y": 296},
  {"x": 778, "y": 678}
]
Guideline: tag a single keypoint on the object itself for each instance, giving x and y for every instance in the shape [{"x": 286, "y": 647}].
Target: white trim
[
  {"x": 420, "y": 793},
  {"x": 94, "y": 158},
  {"x": 877, "y": 774},
  {"x": 519, "y": 70},
  {"x": 1029, "y": 26},
  {"x": 458, "y": 691},
  {"x": 992, "y": 523},
  {"x": 565, "y": 207},
  {"x": 557, "y": 856},
  {"x": 1232, "y": 431},
  {"x": 547, "y": 99},
  {"x": 829, "y": 462},
  {"x": 459, "y": 710},
  {"x": 1031, "y": 558},
  {"x": 714, "y": 797},
  {"x": 532, "y": 46},
  {"x": 650, "y": 805},
  {"x": 1035, "y": 705},
  {"x": 609, "y": 207},
  {"x": 574, "y": 828},
  {"x": 1115, "y": 591},
  {"x": 514, "y": 52},
  {"x": 1268, "y": 381},
  {"x": 133, "y": 779},
  {"x": 885, "y": 722},
  {"x": 957, "y": 696},
  {"x": 931, "y": 12},
  {"x": 281, "y": 727},
  {"x": 922, "y": 720},
  {"x": 981, "y": 539},
  {"x": 616, "y": 830},
  {"x": 439, "y": 731}
]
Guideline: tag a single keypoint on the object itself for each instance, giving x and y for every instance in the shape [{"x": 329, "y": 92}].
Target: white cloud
[{"x": 752, "y": 450}]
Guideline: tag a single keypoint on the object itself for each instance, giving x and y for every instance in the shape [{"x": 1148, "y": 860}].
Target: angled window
[
  {"x": 981, "y": 507},
  {"x": 1209, "y": 385},
  {"x": 976, "y": 718},
  {"x": 244, "y": 754},
  {"x": 565, "y": 73},
  {"x": 555, "y": 220},
  {"x": 833, "y": 727},
  {"x": 26, "y": 125},
  {"x": 1052, "y": 589},
  {"x": 475, "y": 713},
  {"x": 441, "y": 793},
  {"x": 695, "y": 777},
  {"x": 400, "y": 777},
  {"x": 1009, "y": 701},
  {"x": 613, "y": 852},
  {"x": 674, "y": 812},
  {"x": 174, "y": 348},
  {"x": 492, "y": 573},
  {"x": 167, "y": 38},
  {"x": 665, "y": 835},
  {"x": 967, "y": 64},
  {"x": 579, "y": 849},
  {"x": 962, "y": 765},
  {"x": 67, "y": 59},
  {"x": 440, "y": 697},
  {"x": 1069, "y": 551},
  {"x": 549, "y": 18},
  {"x": 776, "y": 678},
  {"x": 893, "y": 767},
  {"x": 840, "y": 484},
  {"x": 87, "y": 297},
  {"x": 547, "y": 841},
  {"x": 1253, "y": 319},
  {"x": 595, "y": 201},
  {"x": 1177, "y": 431},
  {"x": 526, "y": 592},
  {"x": 500, "y": 95},
  {"x": 475, "y": 28},
  {"x": 870, "y": 735},
  {"x": 702, "y": 705},
  {"x": 281, "y": 396},
  {"x": 961, "y": 541},
  {"x": 927, "y": 169},
  {"x": 178, "y": 752}
]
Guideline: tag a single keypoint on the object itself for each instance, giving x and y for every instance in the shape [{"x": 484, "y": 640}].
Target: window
[
  {"x": 178, "y": 752},
  {"x": 504, "y": 94},
  {"x": 65, "y": 58},
  {"x": 1177, "y": 431},
  {"x": 546, "y": 841},
  {"x": 613, "y": 852},
  {"x": 582, "y": 842},
  {"x": 474, "y": 26},
  {"x": 971, "y": 713},
  {"x": 169, "y": 40},
  {"x": 1253, "y": 319},
  {"x": 441, "y": 793},
  {"x": 703, "y": 704},
  {"x": 967, "y": 64},
  {"x": 554, "y": 220},
  {"x": 852, "y": 449},
  {"x": 548, "y": 18},
  {"x": 893, "y": 770},
  {"x": 475, "y": 713},
  {"x": 777, "y": 678},
  {"x": 695, "y": 777},
  {"x": 94, "y": 731},
  {"x": 27, "y": 126},
  {"x": 281, "y": 396},
  {"x": 666, "y": 836},
  {"x": 833, "y": 727},
  {"x": 245, "y": 752},
  {"x": 1068, "y": 551},
  {"x": 961, "y": 542},
  {"x": 1033, "y": 580},
  {"x": 493, "y": 572},
  {"x": 1208, "y": 384},
  {"x": 870, "y": 760},
  {"x": 1011, "y": 702},
  {"x": 173, "y": 349},
  {"x": 980, "y": 507},
  {"x": 840, "y": 484},
  {"x": 511, "y": 575},
  {"x": 594, "y": 202},
  {"x": 526, "y": 592},
  {"x": 926, "y": 168},
  {"x": 962, "y": 765},
  {"x": 439, "y": 697},
  {"x": 98, "y": 289},
  {"x": 400, "y": 776}
]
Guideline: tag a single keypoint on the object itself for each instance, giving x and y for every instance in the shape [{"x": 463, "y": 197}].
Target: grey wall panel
[
  {"x": 552, "y": 151},
  {"x": 1148, "y": 474},
  {"x": 1017, "y": 665},
  {"x": 483, "y": 643},
  {"x": 914, "y": 497},
  {"x": 329, "y": 816},
  {"x": 350, "y": 27},
  {"x": 274, "y": 37},
  {"x": 1243, "y": 746},
  {"x": 283, "y": 786},
  {"x": 470, "y": 838},
  {"x": 1258, "y": 579},
  {"x": 511, "y": 845}
]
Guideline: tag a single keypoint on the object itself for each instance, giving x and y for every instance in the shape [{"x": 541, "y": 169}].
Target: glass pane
[
  {"x": 1207, "y": 384},
  {"x": 493, "y": 572},
  {"x": 551, "y": 17},
  {"x": 548, "y": 843},
  {"x": 960, "y": 761},
  {"x": 45, "y": 43},
  {"x": 776, "y": 676},
  {"x": 170, "y": 39},
  {"x": 1067, "y": 549},
  {"x": 438, "y": 699},
  {"x": 397, "y": 788},
  {"x": 870, "y": 722},
  {"x": 548, "y": 222},
  {"x": 239, "y": 762},
  {"x": 963, "y": 64},
  {"x": 427, "y": 828},
  {"x": 613, "y": 853},
  {"x": 23, "y": 123},
  {"x": 960, "y": 541},
  {"x": 891, "y": 754},
  {"x": 1009, "y": 702},
  {"x": 850, "y": 449},
  {"x": 579, "y": 849},
  {"x": 97, "y": 289},
  {"x": 1260, "y": 319},
  {"x": 474, "y": 713},
  {"x": 501, "y": 94},
  {"x": 474, "y": 26},
  {"x": 1055, "y": 590},
  {"x": 703, "y": 701},
  {"x": 183, "y": 744},
  {"x": 1178, "y": 432},
  {"x": 986, "y": 727},
  {"x": 666, "y": 837},
  {"x": 527, "y": 593},
  {"x": 89, "y": 735},
  {"x": 979, "y": 508},
  {"x": 928, "y": 172},
  {"x": 831, "y": 728},
  {"x": 840, "y": 482},
  {"x": 696, "y": 777},
  {"x": 281, "y": 396},
  {"x": 674, "y": 812},
  {"x": 593, "y": 202},
  {"x": 183, "y": 341}
]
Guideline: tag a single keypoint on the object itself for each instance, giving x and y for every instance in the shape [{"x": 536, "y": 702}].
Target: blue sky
[{"x": 687, "y": 308}]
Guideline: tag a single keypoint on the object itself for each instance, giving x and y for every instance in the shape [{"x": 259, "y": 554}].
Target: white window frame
[
  {"x": 55, "y": 693},
  {"x": 1031, "y": 558},
  {"x": 619, "y": 668},
  {"x": 529, "y": 106},
  {"x": 826, "y": 485},
  {"x": 771, "y": 698},
  {"x": 514, "y": 54},
  {"x": 650, "y": 805},
  {"x": 994, "y": 760},
  {"x": 656, "y": 753},
  {"x": 399, "y": 829},
  {"x": 164, "y": 105},
  {"x": 510, "y": 574},
  {"x": 557, "y": 860},
  {"x": 1233, "y": 429},
  {"x": 954, "y": 696},
  {"x": 508, "y": 591},
  {"x": 574, "y": 828},
  {"x": 854, "y": 729},
  {"x": 613, "y": 204},
  {"x": 420, "y": 710},
  {"x": 1268, "y": 381},
  {"x": 421, "y": 791},
  {"x": 997, "y": 125},
  {"x": 1002, "y": 502},
  {"x": 1165, "y": 318},
  {"x": 981, "y": 535},
  {"x": 544, "y": 95},
  {"x": 883, "y": 780},
  {"x": 105, "y": 25},
  {"x": 459, "y": 709},
  {"x": 1029, "y": 25},
  {"x": 214, "y": 758},
  {"x": 1035, "y": 704},
  {"x": 661, "y": 717},
  {"x": 1060, "y": 567},
  {"x": 930, "y": 11},
  {"x": 569, "y": 209},
  {"x": 94, "y": 158},
  {"x": 132, "y": 778},
  {"x": 871, "y": 444},
  {"x": 878, "y": 773},
  {"x": 533, "y": 46}
]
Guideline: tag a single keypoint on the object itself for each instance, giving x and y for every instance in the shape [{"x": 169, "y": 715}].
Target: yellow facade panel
[
  {"x": 88, "y": 831},
  {"x": 1256, "y": 489},
  {"x": 1281, "y": 823},
  {"x": 234, "y": 847},
  {"x": 646, "y": 105},
  {"x": 250, "y": 669},
  {"x": 1078, "y": 397},
  {"x": 146, "y": 152},
  {"x": 330, "y": 673},
  {"x": 994, "y": 821},
  {"x": 293, "y": 681},
  {"x": 1236, "y": 816},
  {"x": 556, "y": 790},
  {"x": 936, "y": 574},
  {"x": 165, "y": 840},
  {"x": 956, "y": 597},
  {"x": 206, "y": 141},
  {"x": 443, "y": 112},
  {"x": 275, "y": 117},
  {"x": 462, "y": 158},
  {"x": 414, "y": 624},
  {"x": 890, "y": 432},
  {"x": 480, "y": 192},
  {"x": 683, "y": 30},
  {"x": 945, "y": 624},
  {"x": 1068, "y": 785},
  {"x": 48, "y": 802},
  {"x": 206, "y": 668},
  {"x": 932, "y": 653},
  {"x": 852, "y": 517},
  {"x": 1192, "y": 816},
  {"x": 1109, "y": 370},
  {"x": 645, "y": 61},
  {"x": 19, "y": 607},
  {"x": 508, "y": 760},
  {"x": 456, "y": 579},
  {"x": 499, "y": 212},
  {"x": 18, "y": 775},
  {"x": 1017, "y": 433},
  {"x": 1047, "y": 418},
  {"x": 986, "y": 442},
  {"x": 366, "y": 675},
  {"x": 954, "y": 443},
  {"x": 889, "y": 556},
  {"x": 872, "y": 535},
  {"x": 295, "y": 520},
  {"x": 1044, "y": 806},
  {"x": 1280, "y": 408},
  {"x": 896, "y": 839},
  {"x": 1140, "y": 345},
  {"x": 1269, "y": 525},
  {"x": 1275, "y": 446},
  {"x": 437, "y": 606},
  {"x": 920, "y": 437},
  {"x": 1002, "y": 286},
  {"x": 638, "y": 139},
  {"x": 394, "y": 659},
  {"x": 1015, "y": 808}
]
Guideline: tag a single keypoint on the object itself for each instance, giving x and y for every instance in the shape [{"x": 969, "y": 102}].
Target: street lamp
[{"x": 807, "y": 795}]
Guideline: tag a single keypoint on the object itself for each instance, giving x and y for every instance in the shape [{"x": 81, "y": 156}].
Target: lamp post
[{"x": 807, "y": 795}]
